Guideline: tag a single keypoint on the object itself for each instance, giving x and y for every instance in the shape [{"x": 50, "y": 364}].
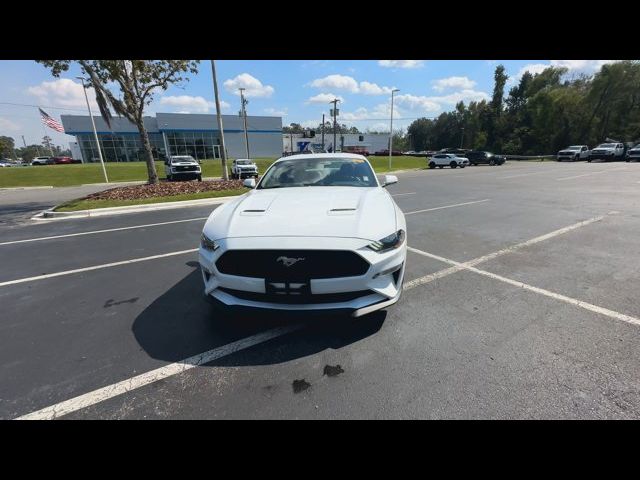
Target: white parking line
[
  {"x": 447, "y": 206},
  {"x": 93, "y": 232},
  {"x": 400, "y": 194},
  {"x": 541, "y": 291},
  {"x": 110, "y": 391},
  {"x": 95, "y": 267},
  {"x": 591, "y": 173},
  {"x": 521, "y": 175}
]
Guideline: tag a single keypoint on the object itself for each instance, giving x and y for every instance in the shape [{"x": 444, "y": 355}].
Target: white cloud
[
  {"x": 433, "y": 104},
  {"x": 373, "y": 89},
  {"x": 311, "y": 123},
  {"x": 350, "y": 84},
  {"x": 8, "y": 125},
  {"x": 581, "y": 66},
  {"x": 324, "y": 98},
  {"x": 187, "y": 103},
  {"x": 275, "y": 112},
  {"x": 337, "y": 82},
  {"x": 63, "y": 93},
  {"x": 453, "y": 82},
  {"x": 254, "y": 87},
  {"x": 401, "y": 63}
]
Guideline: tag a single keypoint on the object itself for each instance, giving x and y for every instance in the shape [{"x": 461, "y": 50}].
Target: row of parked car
[
  {"x": 614, "y": 151},
  {"x": 456, "y": 157},
  {"x": 6, "y": 162}
]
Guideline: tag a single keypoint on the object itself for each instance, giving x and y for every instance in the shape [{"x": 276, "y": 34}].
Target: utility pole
[
  {"x": 23, "y": 141},
  {"x": 95, "y": 133},
  {"x": 243, "y": 112},
  {"x": 391, "y": 128},
  {"x": 223, "y": 150},
  {"x": 322, "y": 132},
  {"x": 462, "y": 138},
  {"x": 334, "y": 111}
]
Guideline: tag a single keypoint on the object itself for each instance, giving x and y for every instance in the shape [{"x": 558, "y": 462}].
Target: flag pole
[{"x": 95, "y": 133}]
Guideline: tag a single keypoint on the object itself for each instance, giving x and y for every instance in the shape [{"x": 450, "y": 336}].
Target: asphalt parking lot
[{"x": 522, "y": 300}]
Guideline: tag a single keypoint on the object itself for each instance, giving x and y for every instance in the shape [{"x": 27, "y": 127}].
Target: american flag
[{"x": 50, "y": 122}]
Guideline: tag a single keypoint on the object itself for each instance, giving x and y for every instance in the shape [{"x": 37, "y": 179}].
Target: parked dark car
[
  {"x": 480, "y": 157},
  {"x": 63, "y": 160},
  {"x": 385, "y": 153}
]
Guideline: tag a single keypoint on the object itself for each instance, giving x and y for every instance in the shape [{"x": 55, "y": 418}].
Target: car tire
[
  {"x": 432, "y": 164},
  {"x": 199, "y": 178},
  {"x": 169, "y": 178},
  {"x": 453, "y": 164}
]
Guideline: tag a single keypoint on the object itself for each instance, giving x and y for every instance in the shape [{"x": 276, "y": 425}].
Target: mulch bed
[{"x": 164, "y": 189}]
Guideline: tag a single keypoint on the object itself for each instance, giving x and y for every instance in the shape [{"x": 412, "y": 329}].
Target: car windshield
[
  {"x": 182, "y": 159},
  {"x": 608, "y": 145},
  {"x": 574, "y": 147},
  {"x": 243, "y": 162},
  {"x": 319, "y": 172}
]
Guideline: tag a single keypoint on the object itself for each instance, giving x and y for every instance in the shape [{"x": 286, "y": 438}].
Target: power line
[{"x": 43, "y": 106}]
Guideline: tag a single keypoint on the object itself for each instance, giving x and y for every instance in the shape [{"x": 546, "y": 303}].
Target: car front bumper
[{"x": 379, "y": 287}]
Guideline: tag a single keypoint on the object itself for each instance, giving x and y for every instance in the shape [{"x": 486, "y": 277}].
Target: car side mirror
[
  {"x": 249, "y": 183},
  {"x": 389, "y": 180}
]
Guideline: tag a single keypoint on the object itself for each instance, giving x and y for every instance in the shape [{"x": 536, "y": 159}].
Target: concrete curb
[
  {"x": 25, "y": 188},
  {"x": 99, "y": 212}
]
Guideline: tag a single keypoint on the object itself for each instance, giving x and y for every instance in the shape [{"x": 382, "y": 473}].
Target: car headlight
[
  {"x": 208, "y": 244},
  {"x": 389, "y": 242}
]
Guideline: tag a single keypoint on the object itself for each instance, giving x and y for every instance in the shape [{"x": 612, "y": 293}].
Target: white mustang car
[{"x": 318, "y": 232}]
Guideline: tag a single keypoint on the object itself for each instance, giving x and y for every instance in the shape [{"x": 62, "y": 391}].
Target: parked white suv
[
  {"x": 448, "y": 159},
  {"x": 41, "y": 161},
  {"x": 574, "y": 152},
  {"x": 182, "y": 167},
  {"x": 244, "y": 167}
]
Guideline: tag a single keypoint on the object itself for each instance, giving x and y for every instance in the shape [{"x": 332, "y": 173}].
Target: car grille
[
  {"x": 303, "y": 264},
  {"x": 297, "y": 299},
  {"x": 185, "y": 168}
]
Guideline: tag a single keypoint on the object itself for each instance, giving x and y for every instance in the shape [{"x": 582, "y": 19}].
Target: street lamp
[
  {"x": 391, "y": 127},
  {"x": 95, "y": 133}
]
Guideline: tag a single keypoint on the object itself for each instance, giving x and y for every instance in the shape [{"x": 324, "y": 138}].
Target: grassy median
[
  {"x": 78, "y": 174},
  {"x": 88, "y": 204}
]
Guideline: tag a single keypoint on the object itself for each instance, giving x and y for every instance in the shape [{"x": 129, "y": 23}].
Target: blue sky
[{"x": 298, "y": 91}]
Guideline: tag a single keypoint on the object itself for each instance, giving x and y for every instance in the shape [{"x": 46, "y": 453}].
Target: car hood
[{"x": 351, "y": 212}]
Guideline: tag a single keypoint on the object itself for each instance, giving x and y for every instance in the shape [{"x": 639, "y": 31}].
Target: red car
[{"x": 62, "y": 160}]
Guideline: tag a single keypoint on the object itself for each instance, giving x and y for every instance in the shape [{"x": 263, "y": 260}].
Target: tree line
[{"x": 542, "y": 114}]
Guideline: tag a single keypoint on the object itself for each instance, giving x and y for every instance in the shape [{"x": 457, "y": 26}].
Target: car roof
[{"x": 327, "y": 156}]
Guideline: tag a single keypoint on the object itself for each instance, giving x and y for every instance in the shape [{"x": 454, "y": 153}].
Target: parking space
[{"x": 138, "y": 340}]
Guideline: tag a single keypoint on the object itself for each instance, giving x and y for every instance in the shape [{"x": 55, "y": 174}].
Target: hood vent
[{"x": 342, "y": 210}]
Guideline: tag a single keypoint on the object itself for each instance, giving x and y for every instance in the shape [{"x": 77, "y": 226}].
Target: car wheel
[
  {"x": 169, "y": 178},
  {"x": 453, "y": 164},
  {"x": 432, "y": 165},
  {"x": 199, "y": 178}
]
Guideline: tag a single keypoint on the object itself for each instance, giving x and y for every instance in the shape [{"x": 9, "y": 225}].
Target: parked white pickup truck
[
  {"x": 243, "y": 168},
  {"x": 573, "y": 153},
  {"x": 607, "y": 152}
]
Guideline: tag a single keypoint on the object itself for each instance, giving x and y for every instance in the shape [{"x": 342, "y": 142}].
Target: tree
[
  {"x": 6, "y": 147},
  {"x": 137, "y": 80}
]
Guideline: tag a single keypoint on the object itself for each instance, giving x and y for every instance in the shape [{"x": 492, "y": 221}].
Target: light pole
[
  {"x": 335, "y": 113},
  {"x": 244, "y": 102},
  {"x": 223, "y": 150},
  {"x": 391, "y": 127},
  {"x": 462, "y": 138},
  {"x": 95, "y": 133}
]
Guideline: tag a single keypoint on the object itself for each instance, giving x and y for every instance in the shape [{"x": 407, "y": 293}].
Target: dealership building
[{"x": 177, "y": 133}]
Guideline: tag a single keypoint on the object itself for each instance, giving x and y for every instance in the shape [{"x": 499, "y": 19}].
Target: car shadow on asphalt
[{"x": 182, "y": 323}]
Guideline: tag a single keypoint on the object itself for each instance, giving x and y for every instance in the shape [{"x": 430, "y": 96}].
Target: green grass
[
  {"x": 82, "y": 204},
  {"x": 77, "y": 174}
]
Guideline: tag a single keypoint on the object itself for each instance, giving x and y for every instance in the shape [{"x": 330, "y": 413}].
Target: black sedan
[{"x": 478, "y": 157}]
